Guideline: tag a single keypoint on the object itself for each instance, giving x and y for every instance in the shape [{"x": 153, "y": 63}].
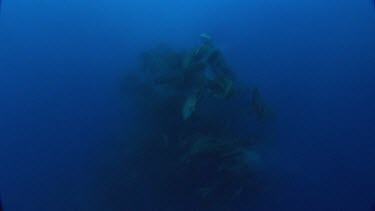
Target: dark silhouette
[{"x": 196, "y": 148}]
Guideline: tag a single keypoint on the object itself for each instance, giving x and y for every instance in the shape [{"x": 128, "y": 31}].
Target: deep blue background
[{"x": 63, "y": 111}]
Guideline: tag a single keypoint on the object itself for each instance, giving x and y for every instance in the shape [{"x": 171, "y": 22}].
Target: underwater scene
[{"x": 187, "y": 105}]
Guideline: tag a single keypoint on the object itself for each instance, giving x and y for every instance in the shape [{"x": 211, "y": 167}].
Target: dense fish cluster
[{"x": 198, "y": 130}]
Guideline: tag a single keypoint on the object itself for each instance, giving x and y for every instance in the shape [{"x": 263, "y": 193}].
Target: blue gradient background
[{"x": 63, "y": 114}]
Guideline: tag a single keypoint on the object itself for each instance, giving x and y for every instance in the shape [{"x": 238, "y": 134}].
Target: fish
[
  {"x": 259, "y": 107},
  {"x": 189, "y": 106}
]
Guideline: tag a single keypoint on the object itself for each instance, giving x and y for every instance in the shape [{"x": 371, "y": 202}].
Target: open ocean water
[{"x": 69, "y": 125}]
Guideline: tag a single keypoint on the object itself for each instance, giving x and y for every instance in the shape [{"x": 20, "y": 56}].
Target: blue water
[{"x": 64, "y": 114}]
